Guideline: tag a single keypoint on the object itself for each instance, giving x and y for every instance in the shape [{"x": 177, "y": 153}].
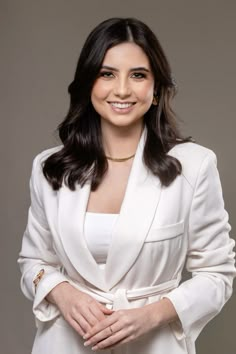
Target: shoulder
[
  {"x": 191, "y": 152},
  {"x": 43, "y": 155},
  {"x": 194, "y": 158},
  {"x": 39, "y": 159}
]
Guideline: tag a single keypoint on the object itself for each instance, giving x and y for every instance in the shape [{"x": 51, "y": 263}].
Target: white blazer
[{"x": 159, "y": 231}]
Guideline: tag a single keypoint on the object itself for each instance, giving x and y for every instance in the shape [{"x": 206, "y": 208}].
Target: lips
[{"x": 122, "y": 106}]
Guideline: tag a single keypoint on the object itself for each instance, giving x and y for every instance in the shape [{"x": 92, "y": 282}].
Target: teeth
[{"x": 121, "y": 105}]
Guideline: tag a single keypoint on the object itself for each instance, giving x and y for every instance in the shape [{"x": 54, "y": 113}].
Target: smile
[{"x": 121, "y": 105}]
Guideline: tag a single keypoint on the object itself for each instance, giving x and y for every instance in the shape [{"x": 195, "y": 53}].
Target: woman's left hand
[{"x": 121, "y": 327}]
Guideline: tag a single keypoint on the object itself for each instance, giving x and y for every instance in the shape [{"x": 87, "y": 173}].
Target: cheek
[
  {"x": 99, "y": 91},
  {"x": 145, "y": 93}
]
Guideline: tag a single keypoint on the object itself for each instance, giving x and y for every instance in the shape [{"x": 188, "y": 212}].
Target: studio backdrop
[{"x": 41, "y": 41}]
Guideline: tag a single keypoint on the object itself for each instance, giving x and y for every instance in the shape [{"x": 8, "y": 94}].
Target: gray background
[{"x": 40, "y": 45}]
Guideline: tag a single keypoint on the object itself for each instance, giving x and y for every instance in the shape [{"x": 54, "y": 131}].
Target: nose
[{"x": 122, "y": 88}]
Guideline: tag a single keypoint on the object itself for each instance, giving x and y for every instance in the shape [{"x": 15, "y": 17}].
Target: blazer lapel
[
  {"x": 71, "y": 213},
  {"x": 136, "y": 216}
]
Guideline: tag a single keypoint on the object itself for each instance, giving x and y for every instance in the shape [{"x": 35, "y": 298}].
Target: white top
[{"x": 98, "y": 229}]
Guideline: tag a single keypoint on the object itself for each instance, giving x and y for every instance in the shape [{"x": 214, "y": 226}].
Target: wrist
[
  {"x": 162, "y": 313},
  {"x": 55, "y": 294}
]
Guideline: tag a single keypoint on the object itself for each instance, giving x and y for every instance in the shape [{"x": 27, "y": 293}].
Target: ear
[{"x": 155, "y": 100}]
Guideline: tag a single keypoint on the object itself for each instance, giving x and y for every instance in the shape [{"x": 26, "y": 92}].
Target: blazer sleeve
[
  {"x": 210, "y": 256},
  {"x": 37, "y": 253}
]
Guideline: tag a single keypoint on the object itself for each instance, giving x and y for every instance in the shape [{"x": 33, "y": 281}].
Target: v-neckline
[{"x": 135, "y": 218}]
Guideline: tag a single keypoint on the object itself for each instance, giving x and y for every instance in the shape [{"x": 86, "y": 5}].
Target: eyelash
[
  {"x": 140, "y": 75},
  {"x": 109, "y": 74},
  {"x": 106, "y": 74}
]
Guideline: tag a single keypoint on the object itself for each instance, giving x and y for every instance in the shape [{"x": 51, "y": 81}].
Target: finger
[
  {"x": 105, "y": 310},
  {"x": 76, "y": 327},
  {"x": 100, "y": 312},
  {"x": 97, "y": 313},
  {"x": 82, "y": 323},
  {"x": 90, "y": 317},
  {"x": 100, "y": 336},
  {"x": 127, "y": 339},
  {"x": 100, "y": 326},
  {"x": 113, "y": 340}
]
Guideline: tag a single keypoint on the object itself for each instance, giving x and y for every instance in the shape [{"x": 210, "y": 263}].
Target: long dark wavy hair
[{"x": 82, "y": 157}]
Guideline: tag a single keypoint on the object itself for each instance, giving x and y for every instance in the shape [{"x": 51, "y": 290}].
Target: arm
[
  {"x": 37, "y": 253},
  {"x": 210, "y": 259},
  {"x": 52, "y": 295},
  {"x": 210, "y": 256}
]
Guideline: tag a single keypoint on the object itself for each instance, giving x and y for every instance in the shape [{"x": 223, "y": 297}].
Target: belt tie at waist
[{"x": 120, "y": 298}]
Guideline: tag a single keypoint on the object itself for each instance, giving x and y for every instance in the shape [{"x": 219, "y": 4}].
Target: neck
[{"x": 120, "y": 142}]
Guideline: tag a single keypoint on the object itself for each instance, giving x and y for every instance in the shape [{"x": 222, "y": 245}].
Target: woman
[{"x": 118, "y": 209}]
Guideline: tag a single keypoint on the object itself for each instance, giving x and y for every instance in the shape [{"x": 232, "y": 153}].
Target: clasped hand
[
  {"x": 120, "y": 327},
  {"x": 100, "y": 327}
]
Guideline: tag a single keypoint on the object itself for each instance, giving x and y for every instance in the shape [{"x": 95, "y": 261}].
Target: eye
[
  {"x": 138, "y": 75},
  {"x": 106, "y": 74}
]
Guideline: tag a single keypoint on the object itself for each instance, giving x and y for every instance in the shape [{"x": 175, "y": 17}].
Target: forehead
[{"x": 126, "y": 54}]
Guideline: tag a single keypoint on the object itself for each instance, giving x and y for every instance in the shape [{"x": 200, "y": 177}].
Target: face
[{"x": 123, "y": 91}]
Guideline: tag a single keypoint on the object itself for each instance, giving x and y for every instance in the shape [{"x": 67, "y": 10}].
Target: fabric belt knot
[{"x": 119, "y": 299}]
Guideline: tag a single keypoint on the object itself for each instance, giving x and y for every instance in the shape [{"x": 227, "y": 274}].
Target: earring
[{"x": 155, "y": 100}]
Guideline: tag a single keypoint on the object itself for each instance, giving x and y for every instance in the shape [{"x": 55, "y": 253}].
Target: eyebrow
[{"x": 139, "y": 68}]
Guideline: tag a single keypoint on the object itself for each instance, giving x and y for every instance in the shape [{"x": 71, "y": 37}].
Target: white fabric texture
[
  {"x": 159, "y": 230},
  {"x": 98, "y": 229}
]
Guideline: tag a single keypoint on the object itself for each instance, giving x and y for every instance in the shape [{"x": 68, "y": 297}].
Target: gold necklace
[{"x": 119, "y": 159}]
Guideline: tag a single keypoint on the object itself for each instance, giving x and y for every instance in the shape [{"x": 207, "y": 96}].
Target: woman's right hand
[{"x": 80, "y": 310}]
